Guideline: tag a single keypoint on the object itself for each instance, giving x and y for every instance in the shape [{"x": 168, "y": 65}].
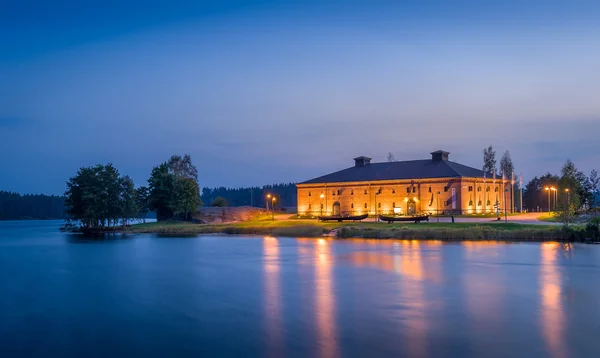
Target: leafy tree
[
  {"x": 98, "y": 197},
  {"x": 142, "y": 201},
  {"x": 219, "y": 202},
  {"x": 594, "y": 188},
  {"x": 161, "y": 186},
  {"x": 506, "y": 165},
  {"x": 174, "y": 189},
  {"x": 127, "y": 202},
  {"x": 489, "y": 160}
]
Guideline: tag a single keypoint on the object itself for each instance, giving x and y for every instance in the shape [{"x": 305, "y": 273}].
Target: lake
[{"x": 235, "y": 296}]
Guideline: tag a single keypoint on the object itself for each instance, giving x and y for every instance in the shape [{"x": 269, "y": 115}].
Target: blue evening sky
[{"x": 280, "y": 91}]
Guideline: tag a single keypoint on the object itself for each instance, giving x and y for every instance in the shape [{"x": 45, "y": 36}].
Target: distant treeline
[
  {"x": 14, "y": 206},
  {"x": 254, "y": 196}
]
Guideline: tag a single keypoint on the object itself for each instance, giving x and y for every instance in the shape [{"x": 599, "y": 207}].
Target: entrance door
[
  {"x": 336, "y": 209},
  {"x": 411, "y": 208}
]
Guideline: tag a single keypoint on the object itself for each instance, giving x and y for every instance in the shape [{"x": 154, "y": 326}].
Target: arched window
[
  {"x": 478, "y": 188},
  {"x": 365, "y": 191},
  {"x": 487, "y": 188},
  {"x": 379, "y": 205},
  {"x": 429, "y": 189},
  {"x": 333, "y": 193},
  {"x": 309, "y": 206},
  {"x": 352, "y": 206},
  {"x": 488, "y": 202},
  {"x": 393, "y": 191},
  {"x": 365, "y": 205},
  {"x": 339, "y": 192},
  {"x": 351, "y": 192},
  {"x": 470, "y": 202},
  {"x": 309, "y": 193},
  {"x": 394, "y": 204},
  {"x": 479, "y": 203}
]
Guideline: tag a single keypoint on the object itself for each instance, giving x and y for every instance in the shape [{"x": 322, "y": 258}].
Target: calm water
[{"x": 218, "y": 296}]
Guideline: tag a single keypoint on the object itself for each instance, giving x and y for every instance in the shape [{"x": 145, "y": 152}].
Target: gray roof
[{"x": 405, "y": 170}]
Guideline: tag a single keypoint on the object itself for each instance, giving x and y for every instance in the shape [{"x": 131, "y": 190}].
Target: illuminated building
[{"x": 403, "y": 187}]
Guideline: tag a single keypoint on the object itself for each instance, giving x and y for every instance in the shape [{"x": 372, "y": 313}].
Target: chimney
[
  {"x": 361, "y": 161},
  {"x": 439, "y": 155}
]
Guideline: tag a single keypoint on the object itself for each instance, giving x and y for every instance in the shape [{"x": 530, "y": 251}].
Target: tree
[
  {"x": 391, "y": 157},
  {"x": 142, "y": 201},
  {"x": 98, "y": 197},
  {"x": 174, "y": 189},
  {"x": 219, "y": 202},
  {"x": 127, "y": 202},
  {"x": 489, "y": 160},
  {"x": 506, "y": 165},
  {"x": 594, "y": 187}
]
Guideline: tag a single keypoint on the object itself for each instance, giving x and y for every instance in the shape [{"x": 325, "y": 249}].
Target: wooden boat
[
  {"x": 416, "y": 219},
  {"x": 343, "y": 218}
]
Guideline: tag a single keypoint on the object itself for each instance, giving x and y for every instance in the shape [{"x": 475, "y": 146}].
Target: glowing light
[{"x": 322, "y": 196}]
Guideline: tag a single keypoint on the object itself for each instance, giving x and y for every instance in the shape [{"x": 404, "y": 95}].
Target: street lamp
[
  {"x": 322, "y": 196},
  {"x": 267, "y": 201},
  {"x": 548, "y": 190},
  {"x": 555, "y": 197},
  {"x": 376, "y": 206},
  {"x": 437, "y": 206},
  {"x": 273, "y": 199}
]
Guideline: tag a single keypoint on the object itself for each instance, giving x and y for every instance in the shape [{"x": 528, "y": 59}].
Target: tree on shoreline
[
  {"x": 173, "y": 188},
  {"x": 98, "y": 197}
]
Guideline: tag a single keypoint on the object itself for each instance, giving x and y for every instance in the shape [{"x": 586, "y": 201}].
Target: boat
[
  {"x": 416, "y": 219},
  {"x": 340, "y": 218}
]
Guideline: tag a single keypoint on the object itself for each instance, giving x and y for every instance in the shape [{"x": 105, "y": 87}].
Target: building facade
[{"x": 434, "y": 185}]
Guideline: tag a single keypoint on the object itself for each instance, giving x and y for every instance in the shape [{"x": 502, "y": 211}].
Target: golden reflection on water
[
  {"x": 413, "y": 297},
  {"x": 325, "y": 301},
  {"x": 552, "y": 311},
  {"x": 273, "y": 302}
]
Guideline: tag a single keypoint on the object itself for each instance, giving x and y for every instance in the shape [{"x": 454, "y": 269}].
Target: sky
[{"x": 262, "y": 92}]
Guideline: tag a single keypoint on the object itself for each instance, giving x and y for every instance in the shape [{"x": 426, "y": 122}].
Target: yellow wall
[{"x": 353, "y": 196}]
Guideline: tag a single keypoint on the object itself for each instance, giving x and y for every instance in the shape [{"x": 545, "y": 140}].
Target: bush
[{"x": 219, "y": 202}]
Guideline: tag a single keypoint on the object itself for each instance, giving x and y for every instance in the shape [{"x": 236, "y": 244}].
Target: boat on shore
[
  {"x": 416, "y": 219},
  {"x": 343, "y": 218}
]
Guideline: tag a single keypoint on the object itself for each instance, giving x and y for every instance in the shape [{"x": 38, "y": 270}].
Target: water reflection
[
  {"x": 552, "y": 312},
  {"x": 413, "y": 297},
  {"x": 273, "y": 302},
  {"x": 325, "y": 301}
]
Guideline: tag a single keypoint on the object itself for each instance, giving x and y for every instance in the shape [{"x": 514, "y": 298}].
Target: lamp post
[
  {"x": 267, "y": 201},
  {"x": 555, "y": 197},
  {"x": 437, "y": 206},
  {"x": 273, "y": 199},
  {"x": 505, "y": 211},
  {"x": 377, "y": 216},
  {"x": 322, "y": 196},
  {"x": 548, "y": 190},
  {"x": 568, "y": 203}
]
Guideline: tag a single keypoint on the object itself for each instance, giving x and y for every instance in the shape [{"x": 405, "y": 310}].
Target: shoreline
[{"x": 514, "y": 232}]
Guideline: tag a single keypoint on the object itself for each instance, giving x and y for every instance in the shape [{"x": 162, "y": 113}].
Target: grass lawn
[{"x": 314, "y": 228}]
